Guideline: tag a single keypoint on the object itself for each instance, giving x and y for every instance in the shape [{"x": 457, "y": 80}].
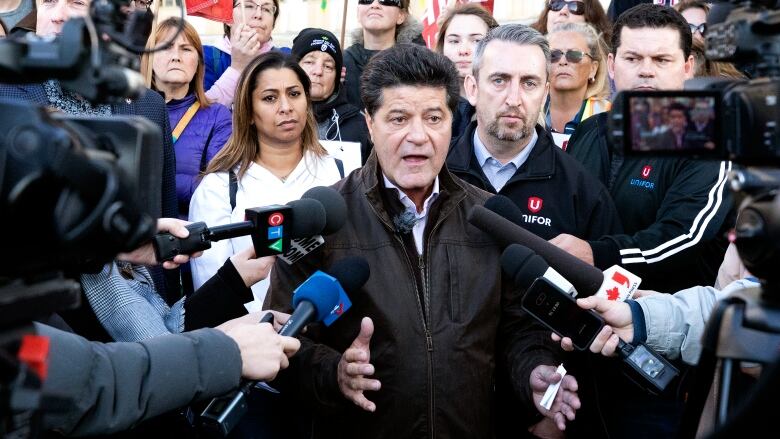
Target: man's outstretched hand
[{"x": 355, "y": 366}]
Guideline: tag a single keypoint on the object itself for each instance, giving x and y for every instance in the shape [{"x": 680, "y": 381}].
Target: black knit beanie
[{"x": 311, "y": 39}]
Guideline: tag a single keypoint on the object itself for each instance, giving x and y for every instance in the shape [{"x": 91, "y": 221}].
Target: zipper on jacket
[
  {"x": 423, "y": 308},
  {"x": 428, "y": 338}
]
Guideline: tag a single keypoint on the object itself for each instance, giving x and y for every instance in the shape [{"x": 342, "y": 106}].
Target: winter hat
[{"x": 311, "y": 39}]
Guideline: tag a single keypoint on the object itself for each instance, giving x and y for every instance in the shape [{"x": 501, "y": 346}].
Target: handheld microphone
[
  {"x": 560, "y": 313},
  {"x": 336, "y": 215},
  {"x": 275, "y": 230},
  {"x": 324, "y": 297},
  {"x": 321, "y": 297},
  {"x": 502, "y": 219},
  {"x": 585, "y": 278},
  {"x": 517, "y": 256}
]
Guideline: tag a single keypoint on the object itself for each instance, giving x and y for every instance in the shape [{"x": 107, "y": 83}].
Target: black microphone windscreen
[
  {"x": 308, "y": 218},
  {"x": 586, "y": 279},
  {"x": 352, "y": 272},
  {"x": 505, "y": 207},
  {"x": 334, "y": 204},
  {"x": 522, "y": 265}
]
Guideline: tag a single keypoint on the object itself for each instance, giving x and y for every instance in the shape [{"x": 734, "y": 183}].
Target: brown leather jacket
[{"x": 434, "y": 347}]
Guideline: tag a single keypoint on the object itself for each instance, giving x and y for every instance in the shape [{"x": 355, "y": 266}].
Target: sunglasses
[
  {"x": 396, "y": 3},
  {"x": 572, "y": 56},
  {"x": 701, "y": 28},
  {"x": 576, "y": 8}
]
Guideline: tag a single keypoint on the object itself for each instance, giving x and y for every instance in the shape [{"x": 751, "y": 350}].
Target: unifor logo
[
  {"x": 646, "y": 171},
  {"x": 535, "y": 204}
]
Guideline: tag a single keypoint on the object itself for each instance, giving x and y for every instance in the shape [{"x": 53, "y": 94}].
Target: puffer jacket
[
  {"x": 356, "y": 56},
  {"x": 205, "y": 134},
  {"x": 340, "y": 121},
  {"x": 434, "y": 356}
]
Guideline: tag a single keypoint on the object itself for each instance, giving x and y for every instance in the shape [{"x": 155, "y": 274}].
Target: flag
[
  {"x": 433, "y": 11},
  {"x": 217, "y": 10}
]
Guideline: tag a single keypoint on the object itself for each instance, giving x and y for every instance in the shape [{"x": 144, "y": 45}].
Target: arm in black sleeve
[
  {"x": 695, "y": 208},
  {"x": 170, "y": 205},
  {"x": 220, "y": 299},
  {"x": 110, "y": 387}
]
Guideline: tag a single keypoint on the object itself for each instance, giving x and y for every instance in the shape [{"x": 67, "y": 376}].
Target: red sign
[
  {"x": 275, "y": 219},
  {"x": 434, "y": 9},
  {"x": 535, "y": 204},
  {"x": 646, "y": 171}
]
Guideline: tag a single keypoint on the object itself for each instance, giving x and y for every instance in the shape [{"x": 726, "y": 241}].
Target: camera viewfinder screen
[{"x": 668, "y": 124}]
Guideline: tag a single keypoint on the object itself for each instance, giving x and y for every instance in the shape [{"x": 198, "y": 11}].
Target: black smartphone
[{"x": 558, "y": 311}]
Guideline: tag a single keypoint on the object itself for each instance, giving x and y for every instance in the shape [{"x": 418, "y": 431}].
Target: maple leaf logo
[{"x": 613, "y": 294}]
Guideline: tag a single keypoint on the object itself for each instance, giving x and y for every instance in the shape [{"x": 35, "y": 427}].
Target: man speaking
[{"x": 415, "y": 356}]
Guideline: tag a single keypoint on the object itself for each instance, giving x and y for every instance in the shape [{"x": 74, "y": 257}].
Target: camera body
[
  {"x": 718, "y": 120},
  {"x": 74, "y": 191}
]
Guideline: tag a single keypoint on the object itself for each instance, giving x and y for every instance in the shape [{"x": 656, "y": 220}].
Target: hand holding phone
[{"x": 558, "y": 311}]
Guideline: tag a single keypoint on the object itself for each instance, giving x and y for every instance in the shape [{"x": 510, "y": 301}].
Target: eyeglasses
[
  {"x": 251, "y": 7},
  {"x": 576, "y": 8},
  {"x": 572, "y": 56},
  {"x": 396, "y": 3},
  {"x": 701, "y": 28},
  {"x": 142, "y": 4}
]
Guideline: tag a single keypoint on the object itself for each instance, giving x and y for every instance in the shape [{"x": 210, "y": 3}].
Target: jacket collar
[
  {"x": 407, "y": 32},
  {"x": 451, "y": 191},
  {"x": 540, "y": 164}
]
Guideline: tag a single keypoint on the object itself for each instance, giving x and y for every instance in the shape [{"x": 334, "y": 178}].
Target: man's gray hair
[{"x": 513, "y": 33}]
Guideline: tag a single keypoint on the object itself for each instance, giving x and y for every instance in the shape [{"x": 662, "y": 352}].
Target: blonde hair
[
  {"x": 243, "y": 146},
  {"x": 597, "y": 48},
  {"x": 705, "y": 67},
  {"x": 191, "y": 35}
]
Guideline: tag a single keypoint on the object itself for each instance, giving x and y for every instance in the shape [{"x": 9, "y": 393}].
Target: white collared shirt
[
  {"x": 495, "y": 172},
  {"x": 421, "y": 217}
]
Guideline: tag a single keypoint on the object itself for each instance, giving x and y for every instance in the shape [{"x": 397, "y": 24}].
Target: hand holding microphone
[
  {"x": 321, "y": 297},
  {"x": 146, "y": 255},
  {"x": 263, "y": 352},
  {"x": 576, "y": 247},
  {"x": 501, "y": 219},
  {"x": 275, "y": 229}
]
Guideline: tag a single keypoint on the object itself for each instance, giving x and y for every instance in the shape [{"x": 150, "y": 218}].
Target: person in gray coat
[{"x": 110, "y": 387}]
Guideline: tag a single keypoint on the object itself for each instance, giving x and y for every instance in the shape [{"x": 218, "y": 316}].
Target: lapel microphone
[{"x": 404, "y": 222}]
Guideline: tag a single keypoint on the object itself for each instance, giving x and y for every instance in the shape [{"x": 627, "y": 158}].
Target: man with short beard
[{"x": 507, "y": 153}]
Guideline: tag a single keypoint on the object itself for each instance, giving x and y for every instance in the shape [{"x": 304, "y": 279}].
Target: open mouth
[{"x": 415, "y": 159}]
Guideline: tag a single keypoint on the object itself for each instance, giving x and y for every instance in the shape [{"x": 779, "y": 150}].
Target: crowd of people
[{"x": 437, "y": 344}]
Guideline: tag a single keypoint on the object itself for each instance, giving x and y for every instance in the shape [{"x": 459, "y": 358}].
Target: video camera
[
  {"x": 715, "y": 118},
  {"x": 737, "y": 120},
  {"x": 74, "y": 191}
]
